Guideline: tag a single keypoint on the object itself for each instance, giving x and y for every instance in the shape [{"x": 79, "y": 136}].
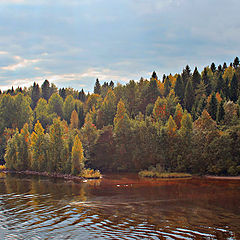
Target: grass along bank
[{"x": 155, "y": 174}]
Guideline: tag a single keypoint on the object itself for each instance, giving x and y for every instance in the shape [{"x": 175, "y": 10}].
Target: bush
[{"x": 90, "y": 174}]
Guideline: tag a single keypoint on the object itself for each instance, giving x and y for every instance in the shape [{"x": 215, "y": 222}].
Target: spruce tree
[
  {"x": 179, "y": 89},
  {"x": 189, "y": 96},
  {"x": 97, "y": 87},
  {"x": 82, "y": 96},
  {"x": 207, "y": 82},
  {"x": 167, "y": 87},
  {"x": 46, "y": 90},
  {"x": 220, "y": 84},
  {"x": 35, "y": 96},
  {"x": 213, "y": 67},
  {"x": 220, "y": 112},
  {"x": 196, "y": 78},
  {"x": 234, "y": 89},
  {"x": 213, "y": 105},
  {"x": 236, "y": 63}
]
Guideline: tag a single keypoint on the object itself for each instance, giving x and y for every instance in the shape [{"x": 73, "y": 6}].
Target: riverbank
[
  {"x": 52, "y": 175},
  {"x": 222, "y": 177}
]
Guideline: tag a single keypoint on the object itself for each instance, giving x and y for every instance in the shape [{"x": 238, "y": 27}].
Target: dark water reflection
[{"x": 118, "y": 207}]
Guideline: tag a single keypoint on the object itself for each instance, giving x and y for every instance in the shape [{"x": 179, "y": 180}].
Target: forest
[{"x": 188, "y": 122}]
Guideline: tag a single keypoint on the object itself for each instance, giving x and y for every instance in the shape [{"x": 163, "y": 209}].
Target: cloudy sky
[{"x": 73, "y": 42}]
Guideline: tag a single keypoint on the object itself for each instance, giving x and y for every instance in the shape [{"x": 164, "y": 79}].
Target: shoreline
[
  {"x": 80, "y": 179},
  {"x": 222, "y": 177},
  {"x": 51, "y": 175}
]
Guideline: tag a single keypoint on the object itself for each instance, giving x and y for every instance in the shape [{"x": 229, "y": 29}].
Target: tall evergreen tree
[
  {"x": 97, "y": 87},
  {"x": 167, "y": 87},
  {"x": 82, "y": 96},
  {"x": 189, "y": 96},
  {"x": 154, "y": 75},
  {"x": 236, "y": 63},
  {"x": 46, "y": 91},
  {"x": 179, "y": 88},
  {"x": 196, "y": 78},
  {"x": 35, "y": 96},
  {"x": 220, "y": 84},
  {"x": 207, "y": 81},
  {"x": 213, "y": 67},
  {"x": 234, "y": 89},
  {"x": 62, "y": 93},
  {"x": 213, "y": 105},
  {"x": 220, "y": 112}
]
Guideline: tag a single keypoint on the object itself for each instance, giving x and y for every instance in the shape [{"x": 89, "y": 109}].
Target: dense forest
[{"x": 187, "y": 122}]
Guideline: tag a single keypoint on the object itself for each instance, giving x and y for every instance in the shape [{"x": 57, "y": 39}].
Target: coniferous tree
[
  {"x": 213, "y": 105},
  {"x": 179, "y": 88},
  {"x": 220, "y": 112},
  {"x": 111, "y": 85},
  {"x": 207, "y": 82},
  {"x": 82, "y": 96},
  {"x": 167, "y": 86},
  {"x": 62, "y": 93},
  {"x": 189, "y": 96},
  {"x": 46, "y": 91},
  {"x": 236, "y": 63},
  {"x": 196, "y": 78},
  {"x": 234, "y": 89},
  {"x": 213, "y": 67},
  {"x": 154, "y": 75},
  {"x": 224, "y": 66},
  {"x": 35, "y": 96},
  {"x": 97, "y": 87},
  {"x": 220, "y": 84}
]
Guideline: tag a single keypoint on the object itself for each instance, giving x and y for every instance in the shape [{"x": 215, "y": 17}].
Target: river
[{"x": 118, "y": 207}]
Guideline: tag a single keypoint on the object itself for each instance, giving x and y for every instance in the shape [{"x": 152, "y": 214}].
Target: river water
[{"x": 118, "y": 207}]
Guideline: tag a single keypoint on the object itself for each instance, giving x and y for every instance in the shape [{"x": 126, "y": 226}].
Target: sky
[{"x": 73, "y": 42}]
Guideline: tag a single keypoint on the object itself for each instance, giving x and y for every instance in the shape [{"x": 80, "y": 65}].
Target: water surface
[{"x": 118, "y": 207}]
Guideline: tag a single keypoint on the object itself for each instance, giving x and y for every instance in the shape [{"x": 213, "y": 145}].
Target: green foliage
[{"x": 55, "y": 105}]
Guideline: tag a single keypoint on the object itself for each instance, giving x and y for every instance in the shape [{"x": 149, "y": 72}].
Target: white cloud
[
  {"x": 3, "y": 53},
  {"x": 21, "y": 64}
]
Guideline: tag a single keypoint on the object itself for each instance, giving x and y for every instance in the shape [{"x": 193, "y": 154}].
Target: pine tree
[
  {"x": 220, "y": 112},
  {"x": 179, "y": 88},
  {"x": 196, "y": 78},
  {"x": 207, "y": 82},
  {"x": 97, "y": 87},
  {"x": 213, "y": 67},
  {"x": 236, "y": 63},
  {"x": 213, "y": 105},
  {"x": 189, "y": 96},
  {"x": 35, "y": 96},
  {"x": 82, "y": 96},
  {"x": 46, "y": 90},
  {"x": 77, "y": 156},
  {"x": 220, "y": 84},
  {"x": 167, "y": 87},
  {"x": 154, "y": 75},
  {"x": 62, "y": 93},
  {"x": 234, "y": 89}
]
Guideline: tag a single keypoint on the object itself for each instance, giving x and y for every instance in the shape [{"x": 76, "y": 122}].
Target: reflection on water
[{"x": 118, "y": 207}]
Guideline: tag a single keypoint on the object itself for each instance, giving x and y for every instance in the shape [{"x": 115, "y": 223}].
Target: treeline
[{"x": 186, "y": 122}]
